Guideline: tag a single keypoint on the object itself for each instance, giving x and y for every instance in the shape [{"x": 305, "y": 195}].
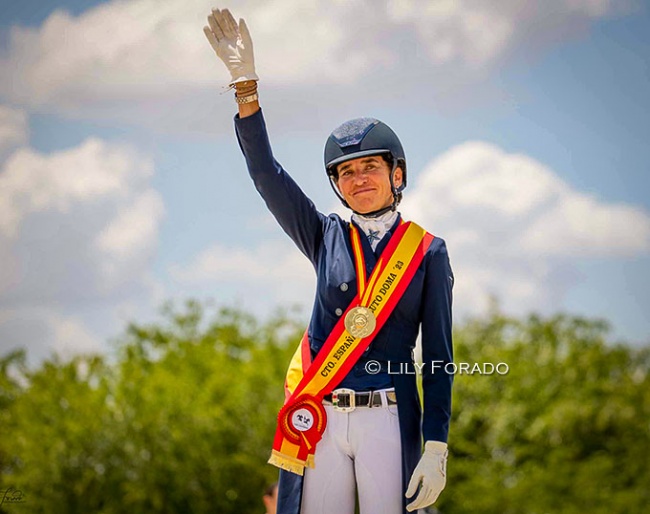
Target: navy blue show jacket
[{"x": 426, "y": 303}]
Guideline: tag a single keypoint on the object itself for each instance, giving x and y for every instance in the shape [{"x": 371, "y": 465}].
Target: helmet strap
[
  {"x": 397, "y": 195},
  {"x": 337, "y": 192}
]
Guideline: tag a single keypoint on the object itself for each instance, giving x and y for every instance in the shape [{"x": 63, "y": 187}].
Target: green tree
[
  {"x": 180, "y": 419},
  {"x": 53, "y": 436},
  {"x": 564, "y": 431}
]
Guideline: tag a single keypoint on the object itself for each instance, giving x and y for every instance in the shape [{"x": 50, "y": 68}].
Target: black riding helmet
[{"x": 362, "y": 137}]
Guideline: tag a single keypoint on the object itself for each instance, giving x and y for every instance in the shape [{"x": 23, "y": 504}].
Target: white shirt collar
[{"x": 375, "y": 228}]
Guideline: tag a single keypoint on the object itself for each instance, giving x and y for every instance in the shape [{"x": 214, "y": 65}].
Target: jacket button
[
  {"x": 344, "y": 287},
  {"x": 338, "y": 311}
]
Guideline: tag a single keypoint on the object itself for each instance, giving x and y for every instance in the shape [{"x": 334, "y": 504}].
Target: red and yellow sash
[{"x": 302, "y": 419}]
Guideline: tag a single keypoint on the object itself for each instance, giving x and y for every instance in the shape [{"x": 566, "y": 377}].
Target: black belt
[{"x": 347, "y": 400}]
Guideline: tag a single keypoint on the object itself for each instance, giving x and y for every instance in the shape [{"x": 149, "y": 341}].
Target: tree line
[{"x": 180, "y": 418}]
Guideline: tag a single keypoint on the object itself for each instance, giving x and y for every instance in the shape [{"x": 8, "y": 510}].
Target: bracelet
[
  {"x": 246, "y": 99},
  {"x": 246, "y": 92},
  {"x": 247, "y": 89}
]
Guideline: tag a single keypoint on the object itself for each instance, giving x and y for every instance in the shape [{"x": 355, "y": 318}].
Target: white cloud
[
  {"x": 76, "y": 224},
  {"x": 273, "y": 273},
  {"x": 122, "y": 51},
  {"x": 13, "y": 129},
  {"x": 78, "y": 233},
  {"x": 514, "y": 229},
  {"x": 44, "y": 332},
  {"x": 71, "y": 337},
  {"x": 581, "y": 226},
  {"x": 129, "y": 239},
  {"x": 32, "y": 182},
  {"x": 456, "y": 31}
]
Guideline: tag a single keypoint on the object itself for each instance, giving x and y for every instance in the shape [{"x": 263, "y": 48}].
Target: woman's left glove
[
  {"x": 233, "y": 44},
  {"x": 431, "y": 471}
]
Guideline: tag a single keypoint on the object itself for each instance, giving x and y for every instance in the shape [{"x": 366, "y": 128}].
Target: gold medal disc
[{"x": 360, "y": 322}]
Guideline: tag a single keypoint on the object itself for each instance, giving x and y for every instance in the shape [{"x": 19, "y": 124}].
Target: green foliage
[
  {"x": 181, "y": 419},
  {"x": 566, "y": 430}
]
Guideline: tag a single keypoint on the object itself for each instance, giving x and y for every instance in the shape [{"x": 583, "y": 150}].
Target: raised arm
[{"x": 293, "y": 210}]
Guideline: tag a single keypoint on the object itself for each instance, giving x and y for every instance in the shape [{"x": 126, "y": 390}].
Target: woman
[{"x": 353, "y": 415}]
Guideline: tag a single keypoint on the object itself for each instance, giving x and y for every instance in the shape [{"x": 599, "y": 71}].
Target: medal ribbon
[
  {"x": 302, "y": 419},
  {"x": 360, "y": 266},
  {"x": 359, "y": 262}
]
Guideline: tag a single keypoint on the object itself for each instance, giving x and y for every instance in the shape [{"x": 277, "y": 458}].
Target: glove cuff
[
  {"x": 438, "y": 450},
  {"x": 244, "y": 78},
  {"x": 437, "y": 447}
]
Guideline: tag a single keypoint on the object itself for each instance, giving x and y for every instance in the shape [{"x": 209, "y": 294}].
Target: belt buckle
[{"x": 339, "y": 394}]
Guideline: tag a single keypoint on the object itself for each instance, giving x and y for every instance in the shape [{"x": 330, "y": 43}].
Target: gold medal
[{"x": 360, "y": 322}]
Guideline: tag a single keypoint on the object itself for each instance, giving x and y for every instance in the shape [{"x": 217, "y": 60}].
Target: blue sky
[{"x": 121, "y": 183}]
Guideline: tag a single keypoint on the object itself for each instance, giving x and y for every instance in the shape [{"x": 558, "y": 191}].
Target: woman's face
[{"x": 365, "y": 183}]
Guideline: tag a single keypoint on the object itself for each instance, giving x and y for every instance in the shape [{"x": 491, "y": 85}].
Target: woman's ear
[{"x": 398, "y": 177}]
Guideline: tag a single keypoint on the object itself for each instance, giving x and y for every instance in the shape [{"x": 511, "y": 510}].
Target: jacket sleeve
[
  {"x": 293, "y": 210},
  {"x": 437, "y": 348}
]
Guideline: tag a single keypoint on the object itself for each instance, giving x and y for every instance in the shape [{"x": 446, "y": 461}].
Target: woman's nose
[{"x": 360, "y": 177}]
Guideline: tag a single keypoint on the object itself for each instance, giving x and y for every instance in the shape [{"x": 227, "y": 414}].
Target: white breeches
[{"x": 360, "y": 451}]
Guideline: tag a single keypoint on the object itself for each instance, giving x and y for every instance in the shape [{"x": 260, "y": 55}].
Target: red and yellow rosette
[{"x": 301, "y": 424}]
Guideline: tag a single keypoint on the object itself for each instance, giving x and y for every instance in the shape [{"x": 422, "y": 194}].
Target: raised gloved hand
[
  {"x": 431, "y": 471},
  {"x": 233, "y": 44}
]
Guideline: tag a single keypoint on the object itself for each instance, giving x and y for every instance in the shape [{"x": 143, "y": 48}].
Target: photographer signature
[{"x": 12, "y": 495}]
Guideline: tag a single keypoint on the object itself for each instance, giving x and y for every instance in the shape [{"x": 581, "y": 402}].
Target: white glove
[
  {"x": 432, "y": 472},
  {"x": 233, "y": 44}
]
